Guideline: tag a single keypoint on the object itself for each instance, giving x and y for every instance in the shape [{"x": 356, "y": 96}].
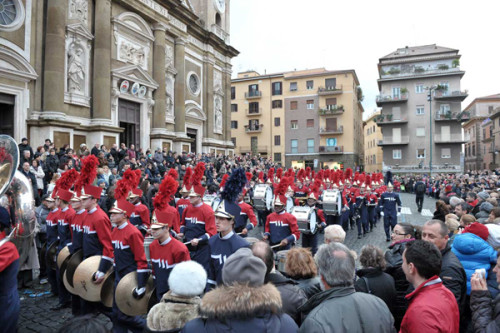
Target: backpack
[{"x": 420, "y": 189}]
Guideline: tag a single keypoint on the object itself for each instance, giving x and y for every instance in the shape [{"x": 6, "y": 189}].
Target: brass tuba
[{"x": 16, "y": 196}]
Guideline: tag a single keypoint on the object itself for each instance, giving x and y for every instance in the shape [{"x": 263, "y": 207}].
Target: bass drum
[
  {"x": 332, "y": 202},
  {"x": 263, "y": 197},
  {"x": 212, "y": 200},
  {"x": 306, "y": 219}
]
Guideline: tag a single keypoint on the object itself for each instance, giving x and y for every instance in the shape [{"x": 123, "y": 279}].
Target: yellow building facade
[
  {"x": 373, "y": 152},
  {"x": 299, "y": 118}
]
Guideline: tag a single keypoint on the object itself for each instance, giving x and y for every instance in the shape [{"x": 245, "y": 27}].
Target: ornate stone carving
[
  {"x": 217, "y": 114},
  {"x": 76, "y": 69},
  {"x": 169, "y": 56},
  {"x": 169, "y": 112},
  {"x": 132, "y": 53},
  {"x": 78, "y": 9},
  {"x": 218, "y": 82}
]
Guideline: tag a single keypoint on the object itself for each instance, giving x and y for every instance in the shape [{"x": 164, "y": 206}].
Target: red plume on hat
[
  {"x": 283, "y": 186},
  {"x": 368, "y": 180},
  {"x": 173, "y": 173},
  {"x": 334, "y": 177},
  {"x": 66, "y": 180},
  {"x": 223, "y": 181},
  {"x": 279, "y": 173},
  {"x": 290, "y": 173},
  {"x": 308, "y": 172},
  {"x": 87, "y": 174},
  {"x": 301, "y": 174},
  {"x": 261, "y": 176},
  {"x": 137, "y": 178},
  {"x": 320, "y": 174},
  {"x": 198, "y": 173},
  {"x": 186, "y": 182},
  {"x": 125, "y": 185},
  {"x": 167, "y": 189},
  {"x": 270, "y": 174},
  {"x": 249, "y": 176},
  {"x": 348, "y": 173}
]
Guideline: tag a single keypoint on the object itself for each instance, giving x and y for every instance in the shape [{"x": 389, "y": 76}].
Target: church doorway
[
  {"x": 7, "y": 103},
  {"x": 192, "y": 133},
  {"x": 129, "y": 114}
]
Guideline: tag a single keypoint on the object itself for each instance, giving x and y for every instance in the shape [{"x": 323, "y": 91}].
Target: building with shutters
[
  {"x": 154, "y": 73},
  {"x": 409, "y": 121},
  {"x": 299, "y": 118},
  {"x": 373, "y": 152}
]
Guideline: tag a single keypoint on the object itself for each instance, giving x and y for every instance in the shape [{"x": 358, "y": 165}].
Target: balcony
[
  {"x": 331, "y": 110},
  {"x": 424, "y": 168},
  {"x": 449, "y": 138},
  {"x": 334, "y": 90},
  {"x": 331, "y": 149},
  {"x": 388, "y": 119},
  {"x": 254, "y": 112},
  {"x": 416, "y": 71},
  {"x": 386, "y": 99},
  {"x": 254, "y": 149},
  {"x": 331, "y": 131},
  {"x": 219, "y": 32},
  {"x": 448, "y": 116},
  {"x": 453, "y": 96},
  {"x": 488, "y": 139},
  {"x": 253, "y": 94},
  {"x": 253, "y": 128},
  {"x": 391, "y": 141}
]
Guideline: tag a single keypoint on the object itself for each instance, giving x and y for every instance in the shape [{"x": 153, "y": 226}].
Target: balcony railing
[
  {"x": 253, "y": 128},
  {"x": 331, "y": 149},
  {"x": 447, "y": 116},
  {"x": 331, "y": 109},
  {"x": 448, "y": 138},
  {"x": 418, "y": 71},
  {"x": 217, "y": 30},
  {"x": 451, "y": 95},
  {"x": 254, "y": 112},
  {"x": 388, "y": 119},
  {"x": 256, "y": 149},
  {"x": 382, "y": 99},
  {"x": 327, "y": 131},
  {"x": 331, "y": 90},
  {"x": 424, "y": 168},
  {"x": 253, "y": 94},
  {"x": 389, "y": 140}
]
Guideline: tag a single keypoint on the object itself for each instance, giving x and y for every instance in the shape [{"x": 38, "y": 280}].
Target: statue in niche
[
  {"x": 218, "y": 115},
  {"x": 76, "y": 70},
  {"x": 169, "y": 56},
  {"x": 217, "y": 81}
]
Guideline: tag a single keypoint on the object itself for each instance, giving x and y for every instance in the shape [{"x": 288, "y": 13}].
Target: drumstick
[
  {"x": 189, "y": 241},
  {"x": 277, "y": 245}
]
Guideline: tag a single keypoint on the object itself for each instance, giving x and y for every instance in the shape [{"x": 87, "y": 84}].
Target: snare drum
[
  {"x": 281, "y": 260},
  {"x": 306, "y": 219},
  {"x": 263, "y": 197},
  {"x": 332, "y": 202}
]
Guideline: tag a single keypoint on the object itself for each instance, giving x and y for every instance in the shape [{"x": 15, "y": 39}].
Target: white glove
[
  {"x": 98, "y": 275},
  {"x": 399, "y": 214},
  {"x": 381, "y": 213}
]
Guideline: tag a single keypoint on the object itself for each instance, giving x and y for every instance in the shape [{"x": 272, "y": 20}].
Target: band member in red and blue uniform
[
  {"x": 140, "y": 217},
  {"x": 165, "y": 251},
  {"x": 183, "y": 202},
  {"x": 281, "y": 227},
  {"x": 390, "y": 205},
  {"x": 346, "y": 206},
  {"x": 64, "y": 221},
  {"x": 51, "y": 223},
  {"x": 248, "y": 220},
  {"x": 197, "y": 226},
  {"x": 361, "y": 211},
  {"x": 96, "y": 232},
  {"x": 9, "y": 266},
  {"x": 372, "y": 201},
  {"x": 128, "y": 244},
  {"x": 309, "y": 238}
]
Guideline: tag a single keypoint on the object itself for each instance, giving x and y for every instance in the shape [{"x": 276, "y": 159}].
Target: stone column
[
  {"x": 160, "y": 94},
  {"x": 226, "y": 127},
  {"x": 101, "y": 94},
  {"x": 180, "y": 86},
  {"x": 209, "y": 102},
  {"x": 55, "y": 52}
]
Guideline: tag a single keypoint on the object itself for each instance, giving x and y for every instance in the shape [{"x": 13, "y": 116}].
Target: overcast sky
[{"x": 282, "y": 35}]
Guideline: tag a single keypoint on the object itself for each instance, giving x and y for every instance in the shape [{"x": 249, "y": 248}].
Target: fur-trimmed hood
[
  {"x": 172, "y": 313},
  {"x": 241, "y": 302}
]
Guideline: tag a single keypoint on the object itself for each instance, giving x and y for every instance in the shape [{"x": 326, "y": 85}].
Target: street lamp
[{"x": 429, "y": 98}]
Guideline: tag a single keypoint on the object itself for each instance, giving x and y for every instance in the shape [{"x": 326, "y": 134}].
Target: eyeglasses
[{"x": 396, "y": 233}]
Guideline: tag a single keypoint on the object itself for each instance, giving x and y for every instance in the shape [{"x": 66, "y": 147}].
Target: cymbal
[
  {"x": 124, "y": 299},
  {"x": 83, "y": 281}
]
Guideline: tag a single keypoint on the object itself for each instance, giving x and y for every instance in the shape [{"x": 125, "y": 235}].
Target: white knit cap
[{"x": 188, "y": 278}]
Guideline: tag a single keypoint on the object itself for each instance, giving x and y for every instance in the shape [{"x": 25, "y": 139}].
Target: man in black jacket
[
  {"x": 25, "y": 170},
  {"x": 419, "y": 193},
  {"x": 24, "y": 145},
  {"x": 452, "y": 271},
  {"x": 291, "y": 295}
]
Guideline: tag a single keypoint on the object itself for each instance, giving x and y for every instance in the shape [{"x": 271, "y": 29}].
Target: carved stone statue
[
  {"x": 169, "y": 56},
  {"x": 218, "y": 115},
  {"x": 76, "y": 70},
  {"x": 131, "y": 53},
  {"x": 78, "y": 9},
  {"x": 217, "y": 81}
]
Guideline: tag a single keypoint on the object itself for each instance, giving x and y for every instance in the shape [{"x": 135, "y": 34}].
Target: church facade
[{"x": 153, "y": 73}]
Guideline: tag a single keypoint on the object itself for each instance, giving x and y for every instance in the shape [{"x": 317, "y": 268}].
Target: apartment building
[
  {"x": 373, "y": 152},
  {"x": 479, "y": 147},
  {"x": 299, "y": 118},
  {"x": 417, "y": 129}
]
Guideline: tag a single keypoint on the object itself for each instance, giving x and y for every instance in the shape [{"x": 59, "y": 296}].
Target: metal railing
[
  {"x": 403, "y": 97},
  {"x": 253, "y": 94},
  {"x": 450, "y": 94},
  {"x": 424, "y": 167},
  {"x": 249, "y": 149},
  {"x": 417, "y": 71},
  {"x": 389, "y": 119},
  {"x": 389, "y": 140},
  {"x": 253, "y": 128},
  {"x": 331, "y": 109},
  {"x": 330, "y": 90},
  {"x": 331, "y": 149},
  {"x": 448, "y": 138},
  {"x": 338, "y": 130}
]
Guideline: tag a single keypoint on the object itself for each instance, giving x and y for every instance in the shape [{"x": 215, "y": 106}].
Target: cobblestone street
[{"x": 36, "y": 316}]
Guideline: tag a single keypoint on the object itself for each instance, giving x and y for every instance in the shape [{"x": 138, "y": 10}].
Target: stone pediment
[
  {"x": 14, "y": 66},
  {"x": 80, "y": 30},
  {"x": 194, "y": 111},
  {"x": 135, "y": 73}
]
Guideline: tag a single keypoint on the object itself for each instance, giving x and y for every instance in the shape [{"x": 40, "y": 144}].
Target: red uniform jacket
[
  {"x": 281, "y": 226},
  {"x": 143, "y": 211},
  {"x": 247, "y": 211}
]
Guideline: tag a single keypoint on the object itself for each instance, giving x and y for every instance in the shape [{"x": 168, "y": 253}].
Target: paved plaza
[{"x": 35, "y": 314}]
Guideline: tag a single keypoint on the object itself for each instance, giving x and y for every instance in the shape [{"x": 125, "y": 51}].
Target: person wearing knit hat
[
  {"x": 473, "y": 250},
  {"x": 225, "y": 310},
  {"x": 181, "y": 303}
]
